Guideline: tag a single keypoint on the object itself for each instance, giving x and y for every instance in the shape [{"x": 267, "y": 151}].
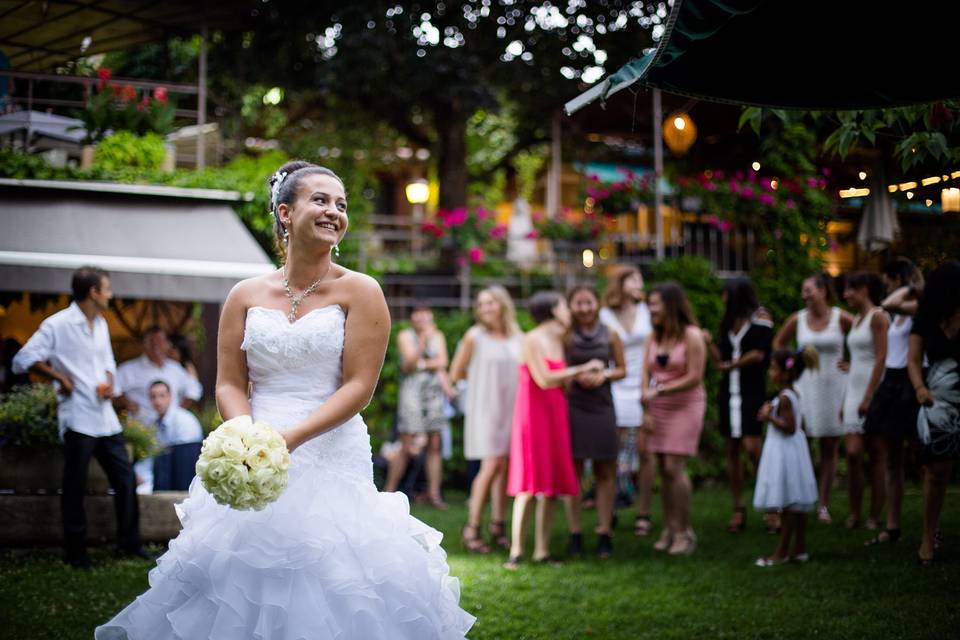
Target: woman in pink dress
[
  {"x": 675, "y": 402},
  {"x": 541, "y": 461}
]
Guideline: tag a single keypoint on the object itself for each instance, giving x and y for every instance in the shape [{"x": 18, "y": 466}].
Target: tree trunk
[{"x": 452, "y": 156}]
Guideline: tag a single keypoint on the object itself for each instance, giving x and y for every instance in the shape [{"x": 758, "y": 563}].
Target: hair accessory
[
  {"x": 790, "y": 363},
  {"x": 278, "y": 179}
]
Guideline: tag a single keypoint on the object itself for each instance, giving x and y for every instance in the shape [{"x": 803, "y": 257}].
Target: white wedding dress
[{"x": 331, "y": 558}]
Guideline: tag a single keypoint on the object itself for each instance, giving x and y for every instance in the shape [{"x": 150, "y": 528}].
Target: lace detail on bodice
[{"x": 294, "y": 368}]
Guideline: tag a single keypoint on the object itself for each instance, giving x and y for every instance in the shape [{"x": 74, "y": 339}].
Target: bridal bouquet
[{"x": 243, "y": 464}]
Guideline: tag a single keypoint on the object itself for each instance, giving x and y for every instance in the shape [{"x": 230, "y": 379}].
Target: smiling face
[
  {"x": 855, "y": 297},
  {"x": 812, "y": 294},
  {"x": 584, "y": 307},
  {"x": 633, "y": 286},
  {"x": 318, "y": 214},
  {"x": 655, "y": 305},
  {"x": 561, "y": 313},
  {"x": 489, "y": 311}
]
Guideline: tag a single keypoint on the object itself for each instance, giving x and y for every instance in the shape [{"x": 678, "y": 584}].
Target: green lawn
[{"x": 845, "y": 591}]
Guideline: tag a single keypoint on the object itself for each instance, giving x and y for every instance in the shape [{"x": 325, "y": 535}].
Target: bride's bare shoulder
[
  {"x": 246, "y": 292},
  {"x": 357, "y": 285}
]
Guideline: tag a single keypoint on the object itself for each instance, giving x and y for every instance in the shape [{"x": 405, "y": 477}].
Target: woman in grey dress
[
  {"x": 420, "y": 401},
  {"x": 488, "y": 358},
  {"x": 593, "y": 421}
]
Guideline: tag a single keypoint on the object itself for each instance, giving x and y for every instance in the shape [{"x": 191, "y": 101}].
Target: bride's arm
[
  {"x": 232, "y": 378},
  {"x": 364, "y": 347}
]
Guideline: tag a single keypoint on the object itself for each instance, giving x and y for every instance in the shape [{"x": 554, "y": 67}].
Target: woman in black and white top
[
  {"x": 742, "y": 353},
  {"x": 892, "y": 415}
]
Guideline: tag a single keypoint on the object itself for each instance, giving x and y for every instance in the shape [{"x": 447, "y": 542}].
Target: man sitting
[{"x": 179, "y": 431}]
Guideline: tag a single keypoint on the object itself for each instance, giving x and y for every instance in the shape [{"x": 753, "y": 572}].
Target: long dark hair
[
  {"x": 824, "y": 282},
  {"x": 869, "y": 281},
  {"x": 941, "y": 295},
  {"x": 741, "y": 302},
  {"x": 903, "y": 269},
  {"x": 793, "y": 363},
  {"x": 541, "y": 305},
  {"x": 677, "y": 316}
]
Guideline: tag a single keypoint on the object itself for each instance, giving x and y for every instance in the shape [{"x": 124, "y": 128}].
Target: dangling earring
[
  {"x": 286, "y": 235},
  {"x": 336, "y": 251}
]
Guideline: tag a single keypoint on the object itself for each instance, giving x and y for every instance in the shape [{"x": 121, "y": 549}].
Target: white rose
[
  {"x": 235, "y": 426},
  {"x": 233, "y": 449},
  {"x": 216, "y": 470},
  {"x": 212, "y": 446},
  {"x": 257, "y": 456},
  {"x": 263, "y": 480},
  {"x": 202, "y": 464}
]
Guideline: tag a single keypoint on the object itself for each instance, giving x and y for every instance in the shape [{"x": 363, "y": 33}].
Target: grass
[{"x": 845, "y": 591}]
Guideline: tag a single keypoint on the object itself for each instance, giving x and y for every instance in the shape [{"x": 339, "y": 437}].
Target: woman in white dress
[
  {"x": 625, "y": 312},
  {"x": 332, "y": 557},
  {"x": 822, "y": 327},
  {"x": 488, "y": 358},
  {"x": 867, "y": 344}
]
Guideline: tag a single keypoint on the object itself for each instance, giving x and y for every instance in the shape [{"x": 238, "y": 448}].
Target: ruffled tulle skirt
[{"x": 332, "y": 558}]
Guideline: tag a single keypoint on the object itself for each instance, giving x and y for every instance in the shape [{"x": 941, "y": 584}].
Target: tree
[{"x": 426, "y": 68}]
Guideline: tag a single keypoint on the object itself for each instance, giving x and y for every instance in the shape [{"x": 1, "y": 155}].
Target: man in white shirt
[
  {"x": 180, "y": 432},
  {"x": 134, "y": 378},
  {"x": 72, "y": 348}
]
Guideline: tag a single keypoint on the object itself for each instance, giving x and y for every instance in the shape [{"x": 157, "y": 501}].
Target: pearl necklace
[{"x": 295, "y": 299}]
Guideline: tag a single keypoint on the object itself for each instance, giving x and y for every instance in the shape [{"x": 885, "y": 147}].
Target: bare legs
[
  {"x": 409, "y": 447},
  {"x": 542, "y": 530},
  {"x": 645, "y": 479},
  {"x": 793, "y": 525},
  {"x": 605, "y": 474},
  {"x": 735, "y": 446},
  {"x": 490, "y": 482},
  {"x": 829, "y": 451},
  {"x": 854, "y": 448},
  {"x": 935, "y": 479}
]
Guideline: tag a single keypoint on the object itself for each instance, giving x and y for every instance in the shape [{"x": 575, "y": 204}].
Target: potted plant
[{"x": 31, "y": 456}]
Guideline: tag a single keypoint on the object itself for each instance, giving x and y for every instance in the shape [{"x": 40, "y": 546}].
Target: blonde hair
[
  {"x": 508, "y": 312},
  {"x": 613, "y": 295}
]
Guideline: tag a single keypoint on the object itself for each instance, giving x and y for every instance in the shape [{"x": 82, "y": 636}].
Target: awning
[
  {"x": 819, "y": 54},
  {"x": 41, "y": 35},
  {"x": 43, "y": 124},
  {"x": 159, "y": 243}
]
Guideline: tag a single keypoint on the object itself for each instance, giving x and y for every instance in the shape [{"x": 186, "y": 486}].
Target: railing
[{"x": 560, "y": 264}]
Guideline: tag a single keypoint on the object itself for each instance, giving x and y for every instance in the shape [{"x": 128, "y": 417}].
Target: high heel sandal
[
  {"x": 642, "y": 525},
  {"x": 474, "y": 543},
  {"x": 739, "y": 520},
  {"x": 665, "y": 541},
  {"x": 683, "y": 544},
  {"x": 498, "y": 534},
  {"x": 884, "y": 537}
]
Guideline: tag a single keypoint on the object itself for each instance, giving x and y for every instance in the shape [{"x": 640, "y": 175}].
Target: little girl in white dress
[{"x": 785, "y": 478}]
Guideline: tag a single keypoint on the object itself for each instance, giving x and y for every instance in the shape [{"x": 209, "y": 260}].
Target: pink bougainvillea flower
[
  {"x": 533, "y": 235},
  {"x": 752, "y": 175},
  {"x": 538, "y": 216},
  {"x": 712, "y": 220},
  {"x": 739, "y": 175},
  {"x": 766, "y": 199},
  {"x": 160, "y": 93},
  {"x": 747, "y": 193},
  {"x": 455, "y": 218},
  {"x": 461, "y": 260},
  {"x": 791, "y": 204},
  {"x": 734, "y": 187},
  {"x": 719, "y": 175},
  {"x": 725, "y": 225},
  {"x": 710, "y": 186},
  {"x": 498, "y": 232},
  {"x": 594, "y": 177},
  {"x": 826, "y": 171},
  {"x": 812, "y": 183},
  {"x": 476, "y": 255},
  {"x": 833, "y": 245}
]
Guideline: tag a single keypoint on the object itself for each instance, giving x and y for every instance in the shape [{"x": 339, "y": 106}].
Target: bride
[{"x": 332, "y": 557}]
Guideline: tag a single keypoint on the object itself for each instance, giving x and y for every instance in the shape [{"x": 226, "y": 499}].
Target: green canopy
[{"x": 816, "y": 54}]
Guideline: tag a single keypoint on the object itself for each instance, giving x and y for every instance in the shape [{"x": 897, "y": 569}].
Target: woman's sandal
[
  {"x": 642, "y": 525},
  {"x": 472, "y": 541},
  {"x": 498, "y": 534},
  {"x": 548, "y": 561},
  {"x": 513, "y": 563},
  {"x": 884, "y": 537},
  {"x": 739, "y": 520},
  {"x": 438, "y": 504}
]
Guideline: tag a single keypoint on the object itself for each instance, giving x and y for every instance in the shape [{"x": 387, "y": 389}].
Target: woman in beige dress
[{"x": 488, "y": 359}]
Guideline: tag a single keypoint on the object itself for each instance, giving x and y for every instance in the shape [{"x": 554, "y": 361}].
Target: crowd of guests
[{"x": 601, "y": 374}]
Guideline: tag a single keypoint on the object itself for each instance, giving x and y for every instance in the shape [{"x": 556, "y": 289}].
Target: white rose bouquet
[{"x": 243, "y": 464}]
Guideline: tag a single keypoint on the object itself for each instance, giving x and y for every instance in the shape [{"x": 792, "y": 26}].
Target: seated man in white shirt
[
  {"x": 180, "y": 432},
  {"x": 134, "y": 378},
  {"x": 72, "y": 348}
]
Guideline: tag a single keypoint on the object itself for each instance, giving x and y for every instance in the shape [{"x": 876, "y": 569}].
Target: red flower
[
  {"x": 724, "y": 226},
  {"x": 533, "y": 235},
  {"x": 104, "y": 74},
  {"x": 498, "y": 232},
  {"x": 766, "y": 199},
  {"x": 747, "y": 193},
  {"x": 538, "y": 216},
  {"x": 476, "y": 255},
  {"x": 143, "y": 104},
  {"x": 160, "y": 93},
  {"x": 128, "y": 93}
]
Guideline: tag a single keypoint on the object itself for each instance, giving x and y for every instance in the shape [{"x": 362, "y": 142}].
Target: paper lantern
[{"x": 679, "y": 132}]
